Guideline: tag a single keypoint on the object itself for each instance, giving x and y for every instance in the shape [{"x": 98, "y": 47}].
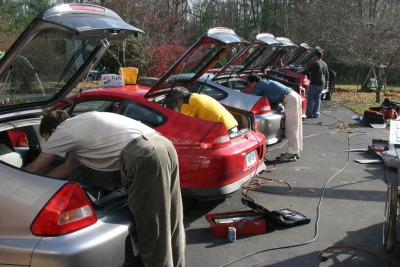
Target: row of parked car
[{"x": 37, "y": 74}]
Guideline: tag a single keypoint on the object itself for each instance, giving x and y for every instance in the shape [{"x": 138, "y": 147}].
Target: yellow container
[{"x": 130, "y": 74}]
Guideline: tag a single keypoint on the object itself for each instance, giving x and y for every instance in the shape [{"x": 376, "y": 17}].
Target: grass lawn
[{"x": 351, "y": 97}]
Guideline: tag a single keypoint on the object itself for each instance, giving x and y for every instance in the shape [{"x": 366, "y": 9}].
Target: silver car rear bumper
[
  {"x": 272, "y": 125},
  {"x": 102, "y": 244}
]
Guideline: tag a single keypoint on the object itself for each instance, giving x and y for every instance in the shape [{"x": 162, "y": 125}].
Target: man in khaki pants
[
  {"x": 148, "y": 165},
  {"x": 150, "y": 171},
  {"x": 278, "y": 93}
]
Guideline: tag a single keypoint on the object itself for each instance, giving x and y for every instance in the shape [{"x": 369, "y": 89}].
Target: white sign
[
  {"x": 394, "y": 134},
  {"x": 111, "y": 80}
]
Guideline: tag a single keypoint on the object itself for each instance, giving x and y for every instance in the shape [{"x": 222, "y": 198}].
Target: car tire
[
  {"x": 332, "y": 82},
  {"x": 187, "y": 203}
]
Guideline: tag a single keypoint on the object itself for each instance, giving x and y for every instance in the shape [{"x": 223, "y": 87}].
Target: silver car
[{"x": 45, "y": 221}]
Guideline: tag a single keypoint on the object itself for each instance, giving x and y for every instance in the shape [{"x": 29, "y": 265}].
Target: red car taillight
[
  {"x": 67, "y": 211},
  {"x": 216, "y": 138},
  {"x": 261, "y": 107}
]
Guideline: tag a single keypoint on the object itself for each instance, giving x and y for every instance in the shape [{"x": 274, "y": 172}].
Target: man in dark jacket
[{"x": 319, "y": 77}]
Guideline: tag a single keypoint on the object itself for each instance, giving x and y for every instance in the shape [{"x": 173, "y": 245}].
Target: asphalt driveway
[{"x": 344, "y": 199}]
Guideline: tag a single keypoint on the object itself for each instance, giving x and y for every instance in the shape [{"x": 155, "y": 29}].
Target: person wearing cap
[
  {"x": 319, "y": 76},
  {"x": 201, "y": 106},
  {"x": 278, "y": 93}
]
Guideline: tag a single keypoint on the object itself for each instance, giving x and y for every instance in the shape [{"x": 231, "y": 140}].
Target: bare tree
[{"x": 358, "y": 32}]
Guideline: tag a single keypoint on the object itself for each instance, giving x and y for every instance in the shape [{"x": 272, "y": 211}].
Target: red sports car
[{"x": 212, "y": 163}]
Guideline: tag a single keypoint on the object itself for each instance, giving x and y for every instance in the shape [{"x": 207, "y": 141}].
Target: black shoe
[
  {"x": 287, "y": 157},
  {"x": 312, "y": 116},
  {"x": 296, "y": 155}
]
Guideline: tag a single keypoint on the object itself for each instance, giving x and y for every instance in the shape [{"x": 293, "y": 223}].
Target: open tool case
[
  {"x": 246, "y": 222},
  {"x": 278, "y": 218}
]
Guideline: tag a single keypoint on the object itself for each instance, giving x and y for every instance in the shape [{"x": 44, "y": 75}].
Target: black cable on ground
[{"x": 316, "y": 225}]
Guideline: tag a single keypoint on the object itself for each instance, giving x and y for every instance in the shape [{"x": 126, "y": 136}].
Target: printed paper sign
[{"x": 394, "y": 134}]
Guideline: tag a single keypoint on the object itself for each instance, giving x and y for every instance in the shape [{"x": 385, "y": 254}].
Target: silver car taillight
[{"x": 67, "y": 211}]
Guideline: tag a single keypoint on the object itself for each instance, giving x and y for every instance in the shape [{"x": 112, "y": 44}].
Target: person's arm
[
  {"x": 40, "y": 163},
  {"x": 194, "y": 105},
  {"x": 45, "y": 159},
  {"x": 307, "y": 70},
  {"x": 259, "y": 89},
  {"x": 312, "y": 68},
  {"x": 64, "y": 170}
]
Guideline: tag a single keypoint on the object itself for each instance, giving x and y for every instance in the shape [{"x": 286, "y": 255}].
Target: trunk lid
[
  {"x": 299, "y": 53},
  {"x": 198, "y": 59},
  {"x": 262, "y": 52},
  {"x": 53, "y": 54}
]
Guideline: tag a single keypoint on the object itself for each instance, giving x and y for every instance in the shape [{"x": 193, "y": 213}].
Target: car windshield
[{"x": 42, "y": 69}]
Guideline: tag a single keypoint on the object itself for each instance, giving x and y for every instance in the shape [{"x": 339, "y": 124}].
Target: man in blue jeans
[{"x": 319, "y": 77}]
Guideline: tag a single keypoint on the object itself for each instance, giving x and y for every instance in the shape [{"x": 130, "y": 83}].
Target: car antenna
[
  {"x": 208, "y": 76},
  {"x": 252, "y": 69},
  {"x": 233, "y": 69},
  {"x": 230, "y": 74},
  {"x": 71, "y": 109},
  {"x": 175, "y": 81}
]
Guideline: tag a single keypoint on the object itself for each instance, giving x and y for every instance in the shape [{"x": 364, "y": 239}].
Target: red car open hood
[
  {"x": 263, "y": 51},
  {"x": 307, "y": 57},
  {"x": 290, "y": 47},
  {"x": 198, "y": 59},
  {"x": 298, "y": 55}
]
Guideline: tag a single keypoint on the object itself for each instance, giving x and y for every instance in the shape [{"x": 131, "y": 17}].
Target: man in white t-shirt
[{"x": 148, "y": 165}]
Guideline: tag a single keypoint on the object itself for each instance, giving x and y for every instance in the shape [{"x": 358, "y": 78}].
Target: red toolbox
[{"x": 246, "y": 222}]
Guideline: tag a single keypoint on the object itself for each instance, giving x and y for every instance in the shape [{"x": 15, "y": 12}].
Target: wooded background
[{"x": 354, "y": 34}]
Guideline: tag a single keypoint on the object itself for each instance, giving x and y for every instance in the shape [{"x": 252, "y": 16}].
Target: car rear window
[
  {"x": 33, "y": 77},
  {"x": 213, "y": 92},
  {"x": 143, "y": 114}
]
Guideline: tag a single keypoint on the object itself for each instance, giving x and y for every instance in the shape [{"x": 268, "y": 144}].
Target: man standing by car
[
  {"x": 319, "y": 77},
  {"x": 148, "y": 164},
  {"x": 201, "y": 106},
  {"x": 278, "y": 93}
]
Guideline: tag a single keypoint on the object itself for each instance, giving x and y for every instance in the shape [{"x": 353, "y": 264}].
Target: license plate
[{"x": 251, "y": 159}]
